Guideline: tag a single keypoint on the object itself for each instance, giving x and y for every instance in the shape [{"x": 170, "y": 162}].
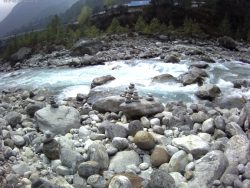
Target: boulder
[
  {"x": 143, "y": 108},
  {"x": 31, "y": 109},
  {"x": 188, "y": 79},
  {"x": 241, "y": 83},
  {"x": 159, "y": 156},
  {"x": 123, "y": 159},
  {"x": 164, "y": 78},
  {"x": 108, "y": 104},
  {"x": 88, "y": 168},
  {"x": 208, "y": 92},
  {"x": 238, "y": 150},
  {"x": 229, "y": 102},
  {"x": 101, "y": 80},
  {"x": 244, "y": 119},
  {"x": 228, "y": 43},
  {"x": 58, "y": 120},
  {"x": 178, "y": 161},
  {"x": 113, "y": 130},
  {"x": 192, "y": 144},
  {"x": 21, "y": 54},
  {"x": 83, "y": 47},
  {"x": 209, "y": 168}
]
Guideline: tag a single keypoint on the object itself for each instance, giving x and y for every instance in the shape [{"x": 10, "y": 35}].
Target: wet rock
[
  {"x": 208, "y": 92},
  {"x": 80, "y": 97},
  {"x": 238, "y": 149},
  {"x": 209, "y": 168},
  {"x": 144, "y": 140},
  {"x": 88, "y": 168},
  {"x": 108, "y": 104},
  {"x": 172, "y": 59},
  {"x": 228, "y": 43},
  {"x": 143, "y": 108},
  {"x": 123, "y": 159},
  {"x": 164, "y": 78},
  {"x": 161, "y": 179},
  {"x": 57, "y": 120},
  {"x": 188, "y": 79},
  {"x": 101, "y": 80},
  {"x": 192, "y": 144},
  {"x": 97, "y": 152},
  {"x": 13, "y": 118},
  {"x": 241, "y": 83},
  {"x": 159, "y": 156}
]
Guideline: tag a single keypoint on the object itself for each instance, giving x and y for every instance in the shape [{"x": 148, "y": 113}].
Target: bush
[{"x": 115, "y": 27}]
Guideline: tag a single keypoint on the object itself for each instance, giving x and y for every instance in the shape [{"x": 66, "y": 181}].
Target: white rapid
[{"x": 67, "y": 82}]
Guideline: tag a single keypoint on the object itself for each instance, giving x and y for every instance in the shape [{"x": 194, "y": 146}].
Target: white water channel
[{"x": 70, "y": 81}]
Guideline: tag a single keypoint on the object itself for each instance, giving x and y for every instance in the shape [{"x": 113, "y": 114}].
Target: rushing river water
[{"x": 70, "y": 81}]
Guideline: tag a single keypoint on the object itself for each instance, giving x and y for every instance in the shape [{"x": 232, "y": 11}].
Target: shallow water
[{"x": 70, "y": 81}]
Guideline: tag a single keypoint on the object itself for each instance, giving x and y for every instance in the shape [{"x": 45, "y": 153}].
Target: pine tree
[
  {"x": 84, "y": 16},
  {"x": 140, "y": 25},
  {"x": 115, "y": 27}
]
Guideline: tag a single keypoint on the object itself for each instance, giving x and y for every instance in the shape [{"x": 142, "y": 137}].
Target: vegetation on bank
[{"x": 212, "y": 17}]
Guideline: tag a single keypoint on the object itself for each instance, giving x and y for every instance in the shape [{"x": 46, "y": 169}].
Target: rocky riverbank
[
  {"x": 74, "y": 145},
  {"x": 126, "y": 140}
]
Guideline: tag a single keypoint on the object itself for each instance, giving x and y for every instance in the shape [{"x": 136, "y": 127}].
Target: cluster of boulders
[{"x": 47, "y": 144}]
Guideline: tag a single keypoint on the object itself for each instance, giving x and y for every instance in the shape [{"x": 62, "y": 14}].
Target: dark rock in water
[
  {"x": 209, "y": 168},
  {"x": 41, "y": 183},
  {"x": 199, "y": 65},
  {"x": 164, "y": 78},
  {"x": 188, "y": 79},
  {"x": 108, "y": 104},
  {"x": 80, "y": 97},
  {"x": 100, "y": 93},
  {"x": 101, "y": 80},
  {"x": 32, "y": 108},
  {"x": 21, "y": 54},
  {"x": 241, "y": 83},
  {"x": 58, "y": 120},
  {"x": 51, "y": 150},
  {"x": 161, "y": 179},
  {"x": 89, "y": 47},
  {"x": 13, "y": 118},
  {"x": 228, "y": 43},
  {"x": 142, "y": 108},
  {"x": 208, "y": 92},
  {"x": 207, "y": 59},
  {"x": 172, "y": 59},
  {"x": 198, "y": 71}
]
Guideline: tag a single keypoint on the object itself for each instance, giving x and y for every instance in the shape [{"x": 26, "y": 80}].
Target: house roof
[{"x": 139, "y": 3}]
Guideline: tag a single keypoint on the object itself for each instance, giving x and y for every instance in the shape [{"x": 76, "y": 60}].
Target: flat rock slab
[
  {"x": 57, "y": 120},
  {"x": 192, "y": 144},
  {"x": 143, "y": 108},
  {"x": 108, "y": 104}
]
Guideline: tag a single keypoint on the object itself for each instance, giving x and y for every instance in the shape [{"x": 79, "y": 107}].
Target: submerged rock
[
  {"x": 164, "y": 78},
  {"x": 208, "y": 92},
  {"x": 101, "y": 80}
]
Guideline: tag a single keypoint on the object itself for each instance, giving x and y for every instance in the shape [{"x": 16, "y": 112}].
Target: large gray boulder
[
  {"x": 238, "y": 150},
  {"x": 108, "y": 104},
  {"x": 101, "y": 80},
  {"x": 57, "y": 120},
  {"x": 208, "y": 92},
  {"x": 142, "y": 108},
  {"x": 227, "y": 42},
  {"x": 21, "y": 54},
  {"x": 209, "y": 168}
]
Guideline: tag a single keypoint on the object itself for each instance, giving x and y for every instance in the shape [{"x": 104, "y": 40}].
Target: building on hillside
[{"x": 137, "y": 6}]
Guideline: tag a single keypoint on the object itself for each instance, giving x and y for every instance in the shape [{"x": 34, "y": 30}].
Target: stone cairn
[
  {"x": 131, "y": 95},
  {"x": 53, "y": 102}
]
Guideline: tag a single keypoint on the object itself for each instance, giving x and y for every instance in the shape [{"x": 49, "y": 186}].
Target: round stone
[
  {"x": 51, "y": 150},
  {"x": 120, "y": 181},
  {"x": 88, "y": 168},
  {"x": 18, "y": 140},
  {"x": 144, "y": 140},
  {"x": 134, "y": 127},
  {"x": 159, "y": 156}
]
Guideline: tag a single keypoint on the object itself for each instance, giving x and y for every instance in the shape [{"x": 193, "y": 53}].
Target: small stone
[
  {"x": 13, "y": 118},
  {"x": 144, "y": 166},
  {"x": 18, "y": 140},
  {"x": 120, "y": 181},
  {"x": 219, "y": 123},
  {"x": 144, "y": 140},
  {"x": 241, "y": 168},
  {"x": 160, "y": 178},
  {"x": 63, "y": 170},
  {"x": 120, "y": 143},
  {"x": 134, "y": 127},
  {"x": 51, "y": 150},
  {"x": 208, "y": 126},
  {"x": 96, "y": 181},
  {"x": 178, "y": 161},
  {"x": 88, "y": 168},
  {"x": 155, "y": 121},
  {"x": 159, "y": 156},
  {"x": 189, "y": 175}
]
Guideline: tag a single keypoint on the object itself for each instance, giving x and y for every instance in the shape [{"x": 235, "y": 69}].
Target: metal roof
[{"x": 139, "y": 3}]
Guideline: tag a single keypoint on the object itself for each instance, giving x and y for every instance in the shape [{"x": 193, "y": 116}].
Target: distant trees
[{"x": 84, "y": 16}]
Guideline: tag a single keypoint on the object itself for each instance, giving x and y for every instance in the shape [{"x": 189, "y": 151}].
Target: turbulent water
[{"x": 70, "y": 81}]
